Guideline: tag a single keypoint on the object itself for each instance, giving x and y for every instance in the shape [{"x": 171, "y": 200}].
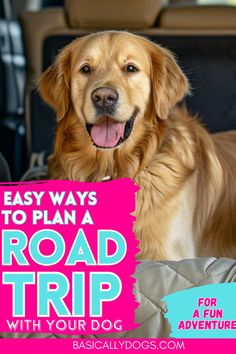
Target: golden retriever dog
[{"x": 116, "y": 97}]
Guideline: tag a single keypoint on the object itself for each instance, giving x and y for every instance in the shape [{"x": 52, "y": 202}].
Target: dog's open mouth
[{"x": 109, "y": 133}]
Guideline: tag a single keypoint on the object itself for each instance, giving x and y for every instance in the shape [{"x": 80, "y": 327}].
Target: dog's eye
[
  {"x": 85, "y": 69},
  {"x": 130, "y": 68}
]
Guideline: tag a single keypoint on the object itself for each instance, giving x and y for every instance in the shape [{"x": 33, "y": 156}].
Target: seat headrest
[
  {"x": 199, "y": 18},
  {"x": 113, "y": 14}
]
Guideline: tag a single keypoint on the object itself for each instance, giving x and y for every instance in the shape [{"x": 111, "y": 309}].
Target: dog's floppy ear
[
  {"x": 169, "y": 84},
  {"x": 54, "y": 83}
]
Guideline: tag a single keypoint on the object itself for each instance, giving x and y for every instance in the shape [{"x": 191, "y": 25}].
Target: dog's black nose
[{"x": 104, "y": 97}]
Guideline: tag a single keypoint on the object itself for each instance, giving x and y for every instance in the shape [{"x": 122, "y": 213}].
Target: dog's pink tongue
[{"x": 107, "y": 133}]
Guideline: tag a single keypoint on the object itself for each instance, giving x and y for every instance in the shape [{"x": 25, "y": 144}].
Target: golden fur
[{"x": 186, "y": 205}]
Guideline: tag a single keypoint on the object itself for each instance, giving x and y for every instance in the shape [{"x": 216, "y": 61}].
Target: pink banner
[
  {"x": 68, "y": 256},
  {"x": 24, "y": 346}
]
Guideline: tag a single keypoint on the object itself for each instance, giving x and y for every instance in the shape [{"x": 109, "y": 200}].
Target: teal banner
[{"x": 203, "y": 312}]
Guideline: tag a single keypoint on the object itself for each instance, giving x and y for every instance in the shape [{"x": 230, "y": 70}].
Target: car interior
[{"x": 202, "y": 35}]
